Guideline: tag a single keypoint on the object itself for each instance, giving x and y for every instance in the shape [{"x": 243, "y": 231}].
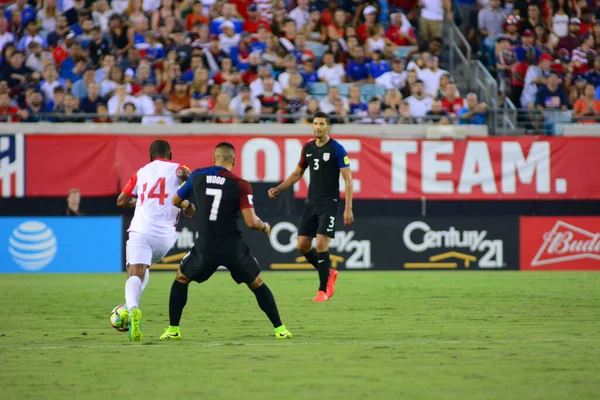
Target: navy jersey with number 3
[
  {"x": 324, "y": 163},
  {"x": 219, "y": 195}
]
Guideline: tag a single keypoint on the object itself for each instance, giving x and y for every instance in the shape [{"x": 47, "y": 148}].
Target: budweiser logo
[{"x": 567, "y": 242}]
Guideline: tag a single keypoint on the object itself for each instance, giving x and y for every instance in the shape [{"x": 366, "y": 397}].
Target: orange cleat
[
  {"x": 321, "y": 297},
  {"x": 333, "y": 274}
]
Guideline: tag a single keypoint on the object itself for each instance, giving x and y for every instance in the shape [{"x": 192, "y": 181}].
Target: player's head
[
  {"x": 224, "y": 155},
  {"x": 321, "y": 125},
  {"x": 160, "y": 149}
]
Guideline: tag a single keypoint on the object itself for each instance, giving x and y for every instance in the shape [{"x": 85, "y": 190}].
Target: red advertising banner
[
  {"x": 488, "y": 168},
  {"x": 560, "y": 243}
]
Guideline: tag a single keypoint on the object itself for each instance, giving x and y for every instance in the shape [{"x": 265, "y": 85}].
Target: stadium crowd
[
  {"x": 544, "y": 52},
  {"x": 161, "y": 61}
]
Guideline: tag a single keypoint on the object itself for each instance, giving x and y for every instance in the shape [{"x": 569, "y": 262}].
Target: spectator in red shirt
[
  {"x": 242, "y": 7},
  {"x": 251, "y": 74},
  {"x": 370, "y": 13},
  {"x": 571, "y": 41},
  {"x": 253, "y": 20},
  {"x": 451, "y": 103},
  {"x": 519, "y": 72},
  {"x": 398, "y": 34},
  {"x": 335, "y": 30},
  {"x": 9, "y": 113},
  {"x": 195, "y": 16},
  {"x": 587, "y": 21}
]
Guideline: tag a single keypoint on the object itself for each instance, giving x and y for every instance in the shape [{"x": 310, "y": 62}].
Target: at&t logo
[{"x": 32, "y": 245}]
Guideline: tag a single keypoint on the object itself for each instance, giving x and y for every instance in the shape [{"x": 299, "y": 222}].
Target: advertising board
[
  {"x": 60, "y": 244},
  {"x": 382, "y": 244},
  {"x": 560, "y": 243}
]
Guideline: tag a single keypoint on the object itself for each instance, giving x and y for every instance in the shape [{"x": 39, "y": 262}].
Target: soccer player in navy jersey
[
  {"x": 218, "y": 197},
  {"x": 326, "y": 159}
]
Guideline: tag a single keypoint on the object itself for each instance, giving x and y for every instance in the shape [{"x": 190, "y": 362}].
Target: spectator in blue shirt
[
  {"x": 378, "y": 67},
  {"x": 76, "y": 73},
  {"x": 260, "y": 44},
  {"x": 593, "y": 76},
  {"x": 357, "y": 70},
  {"x": 228, "y": 15},
  {"x": 552, "y": 96},
  {"x": 528, "y": 42},
  {"x": 473, "y": 113},
  {"x": 309, "y": 75},
  {"x": 31, "y": 36},
  {"x": 195, "y": 63},
  {"x": 355, "y": 104},
  {"x": 36, "y": 107}
]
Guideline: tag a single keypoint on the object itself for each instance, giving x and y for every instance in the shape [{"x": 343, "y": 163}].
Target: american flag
[{"x": 12, "y": 166}]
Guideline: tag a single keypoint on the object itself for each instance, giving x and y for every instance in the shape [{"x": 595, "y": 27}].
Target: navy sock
[
  {"x": 324, "y": 264},
  {"x": 177, "y": 301},
  {"x": 266, "y": 302},
  {"x": 312, "y": 258}
]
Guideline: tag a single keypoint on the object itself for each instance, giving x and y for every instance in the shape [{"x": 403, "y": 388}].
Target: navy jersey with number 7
[
  {"x": 324, "y": 164},
  {"x": 219, "y": 195}
]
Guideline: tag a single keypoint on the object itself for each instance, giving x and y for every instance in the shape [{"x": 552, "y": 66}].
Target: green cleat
[
  {"x": 171, "y": 333},
  {"x": 135, "y": 318},
  {"x": 281, "y": 332}
]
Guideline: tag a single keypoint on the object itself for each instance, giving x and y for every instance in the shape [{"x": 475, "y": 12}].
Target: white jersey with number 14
[{"x": 154, "y": 186}]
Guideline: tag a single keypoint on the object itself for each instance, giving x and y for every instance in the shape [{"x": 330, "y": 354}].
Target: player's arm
[
  {"x": 247, "y": 207},
  {"x": 180, "y": 198},
  {"x": 126, "y": 201},
  {"x": 253, "y": 222},
  {"x": 348, "y": 214},
  {"x": 343, "y": 162},
  {"x": 293, "y": 178},
  {"x": 128, "y": 196}
]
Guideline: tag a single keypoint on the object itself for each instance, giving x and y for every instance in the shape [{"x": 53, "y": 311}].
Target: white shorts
[{"x": 147, "y": 249}]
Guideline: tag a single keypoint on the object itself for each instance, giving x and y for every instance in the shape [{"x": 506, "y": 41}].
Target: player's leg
[
  {"x": 194, "y": 267},
  {"x": 177, "y": 301},
  {"x": 133, "y": 292},
  {"x": 139, "y": 258},
  {"x": 325, "y": 232},
  {"x": 266, "y": 302},
  {"x": 307, "y": 229},
  {"x": 324, "y": 265},
  {"x": 244, "y": 269}
]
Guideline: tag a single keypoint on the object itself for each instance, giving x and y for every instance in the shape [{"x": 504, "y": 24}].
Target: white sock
[
  {"x": 133, "y": 292},
  {"x": 146, "y": 279}
]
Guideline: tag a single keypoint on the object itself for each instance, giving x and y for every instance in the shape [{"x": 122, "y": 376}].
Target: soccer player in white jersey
[{"x": 152, "y": 231}]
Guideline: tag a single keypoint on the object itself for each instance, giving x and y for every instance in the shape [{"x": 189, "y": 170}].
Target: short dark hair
[
  {"x": 225, "y": 145},
  {"x": 160, "y": 149},
  {"x": 321, "y": 114}
]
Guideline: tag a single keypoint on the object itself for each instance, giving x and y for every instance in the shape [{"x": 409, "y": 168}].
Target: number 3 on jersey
[
  {"x": 316, "y": 160},
  {"x": 156, "y": 192}
]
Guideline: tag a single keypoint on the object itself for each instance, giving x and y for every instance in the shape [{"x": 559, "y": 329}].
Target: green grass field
[{"x": 385, "y": 335}]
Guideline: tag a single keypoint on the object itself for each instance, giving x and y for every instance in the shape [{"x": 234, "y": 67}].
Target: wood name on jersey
[{"x": 217, "y": 180}]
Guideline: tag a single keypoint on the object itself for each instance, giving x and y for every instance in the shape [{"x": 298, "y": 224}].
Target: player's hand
[
  {"x": 190, "y": 211},
  {"x": 273, "y": 192},
  {"x": 348, "y": 217},
  {"x": 267, "y": 229}
]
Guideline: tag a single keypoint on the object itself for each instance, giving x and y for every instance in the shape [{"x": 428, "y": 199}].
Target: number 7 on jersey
[{"x": 214, "y": 209}]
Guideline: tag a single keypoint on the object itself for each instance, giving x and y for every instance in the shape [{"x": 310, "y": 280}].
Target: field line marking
[{"x": 349, "y": 343}]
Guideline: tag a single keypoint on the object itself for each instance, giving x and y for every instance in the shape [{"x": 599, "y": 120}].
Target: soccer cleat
[
  {"x": 281, "y": 332},
  {"x": 321, "y": 297},
  {"x": 171, "y": 333},
  {"x": 333, "y": 274},
  {"x": 135, "y": 318}
]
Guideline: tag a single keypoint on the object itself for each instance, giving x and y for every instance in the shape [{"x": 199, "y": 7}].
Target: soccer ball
[{"x": 115, "y": 319}]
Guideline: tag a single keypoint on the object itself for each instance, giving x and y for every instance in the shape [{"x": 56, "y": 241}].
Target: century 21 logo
[
  {"x": 472, "y": 240},
  {"x": 343, "y": 242}
]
